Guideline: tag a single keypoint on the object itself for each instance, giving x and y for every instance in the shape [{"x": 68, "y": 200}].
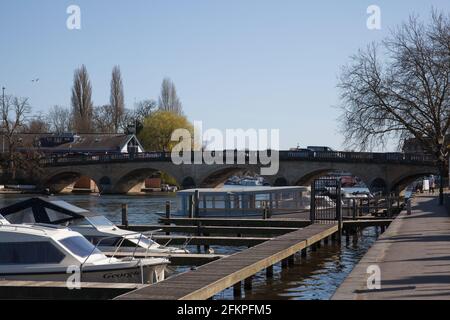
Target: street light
[
  {"x": 3, "y": 134},
  {"x": 441, "y": 170}
]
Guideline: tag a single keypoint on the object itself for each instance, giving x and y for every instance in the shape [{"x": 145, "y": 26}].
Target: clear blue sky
[{"x": 236, "y": 64}]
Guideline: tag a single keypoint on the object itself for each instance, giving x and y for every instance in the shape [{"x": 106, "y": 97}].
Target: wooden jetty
[
  {"x": 214, "y": 277},
  {"x": 238, "y": 222},
  {"x": 200, "y": 229},
  {"x": 11, "y": 289},
  {"x": 209, "y": 240}
]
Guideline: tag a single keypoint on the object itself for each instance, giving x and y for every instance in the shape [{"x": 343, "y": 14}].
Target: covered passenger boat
[{"x": 243, "y": 201}]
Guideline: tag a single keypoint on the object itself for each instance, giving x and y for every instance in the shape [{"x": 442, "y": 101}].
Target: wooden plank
[
  {"x": 10, "y": 289},
  {"x": 216, "y": 276},
  {"x": 63, "y": 284},
  {"x": 213, "y": 240},
  {"x": 238, "y": 222},
  {"x": 211, "y": 229}
]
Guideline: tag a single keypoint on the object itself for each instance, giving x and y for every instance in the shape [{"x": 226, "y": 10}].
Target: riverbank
[{"x": 412, "y": 255}]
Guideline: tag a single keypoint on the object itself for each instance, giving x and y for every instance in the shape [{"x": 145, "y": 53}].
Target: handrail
[
  {"x": 343, "y": 156},
  {"x": 24, "y": 226}
]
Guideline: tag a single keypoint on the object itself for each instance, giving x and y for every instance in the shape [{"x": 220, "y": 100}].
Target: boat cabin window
[
  {"x": 100, "y": 221},
  {"x": 23, "y": 216},
  {"x": 29, "y": 253},
  {"x": 79, "y": 246}
]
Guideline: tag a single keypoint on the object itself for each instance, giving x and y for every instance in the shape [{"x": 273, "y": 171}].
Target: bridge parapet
[{"x": 335, "y": 156}]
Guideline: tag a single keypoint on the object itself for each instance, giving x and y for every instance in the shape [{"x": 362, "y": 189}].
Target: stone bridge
[{"x": 122, "y": 173}]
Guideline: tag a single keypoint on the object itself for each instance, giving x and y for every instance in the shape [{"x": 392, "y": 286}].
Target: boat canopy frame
[{"x": 38, "y": 206}]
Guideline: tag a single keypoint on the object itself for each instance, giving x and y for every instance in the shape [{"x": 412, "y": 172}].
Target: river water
[{"x": 315, "y": 277}]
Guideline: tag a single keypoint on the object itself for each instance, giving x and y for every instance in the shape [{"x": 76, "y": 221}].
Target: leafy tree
[{"x": 158, "y": 128}]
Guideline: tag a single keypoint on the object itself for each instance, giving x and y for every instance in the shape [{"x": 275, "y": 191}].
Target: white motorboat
[
  {"x": 95, "y": 227},
  {"x": 52, "y": 253}
]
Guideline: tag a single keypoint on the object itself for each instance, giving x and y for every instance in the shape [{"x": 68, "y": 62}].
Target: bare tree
[
  {"x": 104, "y": 120},
  {"x": 82, "y": 107},
  {"x": 402, "y": 93},
  {"x": 168, "y": 100},
  {"x": 59, "y": 119},
  {"x": 37, "y": 124},
  {"x": 14, "y": 111},
  {"x": 117, "y": 98},
  {"x": 134, "y": 119}
]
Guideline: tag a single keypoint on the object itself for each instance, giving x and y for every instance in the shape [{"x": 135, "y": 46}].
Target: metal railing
[{"x": 335, "y": 156}]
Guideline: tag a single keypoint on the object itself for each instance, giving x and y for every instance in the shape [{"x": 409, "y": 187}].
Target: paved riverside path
[{"x": 413, "y": 255}]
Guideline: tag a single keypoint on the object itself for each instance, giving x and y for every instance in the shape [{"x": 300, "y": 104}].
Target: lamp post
[
  {"x": 3, "y": 135},
  {"x": 441, "y": 164}
]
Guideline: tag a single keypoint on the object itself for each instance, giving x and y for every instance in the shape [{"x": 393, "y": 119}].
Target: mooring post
[
  {"x": 269, "y": 272},
  {"x": 191, "y": 204},
  {"x": 199, "y": 233},
  {"x": 264, "y": 215},
  {"x": 303, "y": 252},
  {"x": 237, "y": 289},
  {"x": 389, "y": 209},
  {"x": 167, "y": 215},
  {"x": 206, "y": 246},
  {"x": 248, "y": 283},
  {"x": 291, "y": 260},
  {"x": 125, "y": 214},
  {"x": 197, "y": 203}
]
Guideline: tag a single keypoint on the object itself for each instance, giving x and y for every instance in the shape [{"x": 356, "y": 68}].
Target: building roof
[{"x": 86, "y": 142}]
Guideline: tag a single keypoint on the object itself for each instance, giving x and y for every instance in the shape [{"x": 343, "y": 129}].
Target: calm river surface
[{"x": 315, "y": 277}]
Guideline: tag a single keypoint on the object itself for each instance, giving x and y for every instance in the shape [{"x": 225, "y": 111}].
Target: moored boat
[{"x": 49, "y": 253}]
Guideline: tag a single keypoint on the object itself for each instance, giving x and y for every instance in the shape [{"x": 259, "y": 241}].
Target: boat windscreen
[
  {"x": 100, "y": 221},
  {"x": 23, "y": 216},
  {"x": 80, "y": 246}
]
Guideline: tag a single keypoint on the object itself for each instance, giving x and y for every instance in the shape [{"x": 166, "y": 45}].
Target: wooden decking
[
  {"x": 214, "y": 277},
  {"x": 14, "y": 289}
]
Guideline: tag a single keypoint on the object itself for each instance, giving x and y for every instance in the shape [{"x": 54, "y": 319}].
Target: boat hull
[{"x": 133, "y": 274}]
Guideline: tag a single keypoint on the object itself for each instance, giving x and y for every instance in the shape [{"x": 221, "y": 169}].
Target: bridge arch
[
  {"x": 134, "y": 180},
  {"x": 399, "y": 184},
  {"x": 217, "y": 177},
  {"x": 309, "y": 177},
  {"x": 378, "y": 185},
  {"x": 280, "y": 182},
  {"x": 68, "y": 180},
  {"x": 188, "y": 183}
]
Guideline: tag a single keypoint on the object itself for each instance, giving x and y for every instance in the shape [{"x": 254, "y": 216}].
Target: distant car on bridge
[{"x": 319, "y": 148}]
